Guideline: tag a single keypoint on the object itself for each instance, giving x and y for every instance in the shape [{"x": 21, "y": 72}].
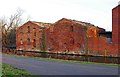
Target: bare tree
[{"x": 9, "y": 28}]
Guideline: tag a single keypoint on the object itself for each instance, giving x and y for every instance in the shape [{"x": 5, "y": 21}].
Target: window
[
  {"x": 28, "y": 29},
  {"x": 109, "y": 40},
  {"x": 41, "y": 30},
  {"x": 34, "y": 43},
  {"x": 71, "y": 28},
  {"x": 71, "y": 40},
  {"x": 21, "y": 41},
  {"x": 65, "y": 45},
  {"x": 21, "y": 30},
  {"x": 34, "y": 29},
  {"x": 28, "y": 41},
  {"x": 40, "y": 39}
]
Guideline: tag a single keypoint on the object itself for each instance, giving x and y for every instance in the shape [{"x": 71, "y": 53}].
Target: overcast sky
[{"x": 97, "y": 12}]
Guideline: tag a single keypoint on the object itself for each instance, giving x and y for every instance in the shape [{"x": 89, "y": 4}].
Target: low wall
[{"x": 65, "y": 56}]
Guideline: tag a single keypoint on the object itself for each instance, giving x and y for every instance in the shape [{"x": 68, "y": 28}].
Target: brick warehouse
[
  {"x": 70, "y": 36},
  {"x": 29, "y": 36}
]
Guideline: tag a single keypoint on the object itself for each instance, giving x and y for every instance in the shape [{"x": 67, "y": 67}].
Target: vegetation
[
  {"x": 79, "y": 62},
  {"x": 10, "y": 70},
  {"x": 72, "y": 61},
  {"x": 9, "y": 26},
  {"x": 42, "y": 46}
]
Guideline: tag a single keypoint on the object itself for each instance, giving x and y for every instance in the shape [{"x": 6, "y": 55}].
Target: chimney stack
[{"x": 116, "y": 24}]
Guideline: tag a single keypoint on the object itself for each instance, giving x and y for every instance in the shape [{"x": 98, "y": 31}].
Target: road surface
[{"x": 37, "y": 66}]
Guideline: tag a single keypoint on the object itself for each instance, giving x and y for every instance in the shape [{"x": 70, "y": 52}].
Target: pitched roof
[
  {"x": 78, "y": 22},
  {"x": 42, "y": 24}
]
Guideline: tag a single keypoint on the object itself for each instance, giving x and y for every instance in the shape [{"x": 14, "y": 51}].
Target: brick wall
[
  {"x": 28, "y": 40},
  {"x": 65, "y": 36},
  {"x": 116, "y": 24},
  {"x": 71, "y": 36}
]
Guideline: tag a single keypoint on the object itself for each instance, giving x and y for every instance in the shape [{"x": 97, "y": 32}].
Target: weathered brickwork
[
  {"x": 70, "y": 36},
  {"x": 29, "y": 36},
  {"x": 116, "y": 24},
  {"x": 65, "y": 35}
]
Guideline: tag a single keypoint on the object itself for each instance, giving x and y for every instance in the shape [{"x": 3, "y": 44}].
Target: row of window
[
  {"x": 28, "y": 30},
  {"x": 28, "y": 42},
  {"x": 51, "y": 30}
]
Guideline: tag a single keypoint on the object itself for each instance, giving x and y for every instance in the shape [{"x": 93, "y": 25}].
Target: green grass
[
  {"x": 0, "y": 69},
  {"x": 10, "y": 70},
  {"x": 79, "y": 62},
  {"x": 71, "y": 61}
]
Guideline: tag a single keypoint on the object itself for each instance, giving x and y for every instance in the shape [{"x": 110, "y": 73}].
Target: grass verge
[
  {"x": 10, "y": 70},
  {"x": 79, "y": 62},
  {"x": 71, "y": 61}
]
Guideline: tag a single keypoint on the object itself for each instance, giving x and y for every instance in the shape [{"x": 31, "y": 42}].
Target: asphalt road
[{"x": 37, "y": 66}]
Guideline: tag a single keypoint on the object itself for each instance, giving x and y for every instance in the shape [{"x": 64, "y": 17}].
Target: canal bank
[{"x": 67, "y": 56}]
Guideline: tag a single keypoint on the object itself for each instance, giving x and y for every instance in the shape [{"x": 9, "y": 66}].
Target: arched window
[
  {"x": 71, "y": 40},
  {"x": 21, "y": 41},
  {"x": 28, "y": 41},
  {"x": 65, "y": 45}
]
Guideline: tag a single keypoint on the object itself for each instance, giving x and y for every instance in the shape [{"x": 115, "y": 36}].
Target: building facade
[
  {"x": 116, "y": 24},
  {"x": 70, "y": 36},
  {"x": 29, "y": 35}
]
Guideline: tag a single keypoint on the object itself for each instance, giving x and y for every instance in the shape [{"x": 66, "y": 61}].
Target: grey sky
[{"x": 97, "y": 12}]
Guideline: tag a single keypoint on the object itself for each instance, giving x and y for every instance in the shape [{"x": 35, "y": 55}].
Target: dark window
[
  {"x": 51, "y": 28},
  {"x": 71, "y": 28},
  {"x": 28, "y": 41},
  {"x": 34, "y": 43},
  {"x": 21, "y": 31},
  {"x": 40, "y": 39},
  {"x": 71, "y": 40},
  {"x": 28, "y": 29},
  {"x": 34, "y": 31}
]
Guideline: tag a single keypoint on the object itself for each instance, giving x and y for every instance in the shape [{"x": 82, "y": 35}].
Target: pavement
[{"x": 38, "y": 66}]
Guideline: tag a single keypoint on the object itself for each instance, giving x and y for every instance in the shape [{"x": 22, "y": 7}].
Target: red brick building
[
  {"x": 116, "y": 24},
  {"x": 29, "y": 35},
  {"x": 70, "y": 36}
]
